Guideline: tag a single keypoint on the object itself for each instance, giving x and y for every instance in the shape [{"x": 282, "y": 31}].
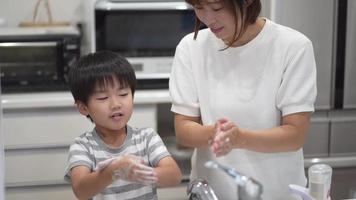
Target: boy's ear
[{"x": 82, "y": 108}]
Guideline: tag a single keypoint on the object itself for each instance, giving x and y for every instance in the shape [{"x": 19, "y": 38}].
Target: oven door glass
[
  {"x": 142, "y": 33},
  {"x": 29, "y": 63}
]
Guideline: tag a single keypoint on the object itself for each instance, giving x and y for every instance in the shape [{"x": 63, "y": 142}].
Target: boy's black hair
[{"x": 99, "y": 68}]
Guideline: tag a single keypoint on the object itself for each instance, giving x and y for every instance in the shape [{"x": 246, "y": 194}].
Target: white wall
[
  {"x": 12, "y": 12},
  {"x": 15, "y": 11}
]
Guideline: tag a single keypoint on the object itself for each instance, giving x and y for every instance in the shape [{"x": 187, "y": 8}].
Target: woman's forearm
[
  {"x": 289, "y": 136},
  {"x": 191, "y": 133}
]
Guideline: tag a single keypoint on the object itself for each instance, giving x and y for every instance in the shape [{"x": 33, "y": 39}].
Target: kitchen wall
[
  {"x": 74, "y": 11},
  {"x": 12, "y": 13}
]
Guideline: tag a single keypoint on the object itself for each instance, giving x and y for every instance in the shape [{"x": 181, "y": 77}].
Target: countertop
[{"x": 65, "y": 99}]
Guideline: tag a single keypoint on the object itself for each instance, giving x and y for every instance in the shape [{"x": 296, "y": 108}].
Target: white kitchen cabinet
[
  {"x": 38, "y": 129},
  {"x": 56, "y": 192}
]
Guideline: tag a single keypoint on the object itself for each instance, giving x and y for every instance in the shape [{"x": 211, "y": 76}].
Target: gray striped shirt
[{"x": 88, "y": 150}]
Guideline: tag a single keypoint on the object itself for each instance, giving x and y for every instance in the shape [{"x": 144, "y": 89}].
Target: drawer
[
  {"x": 343, "y": 133},
  {"x": 317, "y": 142},
  {"x": 43, "y": 126},
  {"x": 27, "y": 167},
  {"x": 58, "y": 126},
  {"x": 57, "y": 192}
]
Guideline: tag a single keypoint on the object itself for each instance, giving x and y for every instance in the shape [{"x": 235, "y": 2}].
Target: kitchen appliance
[
  {"x": 37, "y": 59},
  {"x": 146, "y": 32},
  {"x": 330, "y": 25},
  {"x": 320, "y": 28},
  {"x": 349, "y": 92}
]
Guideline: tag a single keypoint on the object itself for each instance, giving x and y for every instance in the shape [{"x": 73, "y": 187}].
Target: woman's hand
[
  {"x": 133, "y": 168},
  {"x": 225, "y": 137}
]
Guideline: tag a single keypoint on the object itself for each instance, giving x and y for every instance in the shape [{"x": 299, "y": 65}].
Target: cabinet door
[
  {"x": 54, "y": 192},
  {"x": 344, "y": 183},
  {"x": 58, "y": 126},
  {"x": 317, "y": 142},
  {"x": 43, "y": 126},
  {"x": 315, "y": 20},
  {"x": 29, "y": 166},
  {"x": 343, "y": 133}
]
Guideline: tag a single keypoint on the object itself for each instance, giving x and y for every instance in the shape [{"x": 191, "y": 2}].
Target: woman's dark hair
[
  {"x": 99, "y": 69},
  {"x": 247, "y": 10}
]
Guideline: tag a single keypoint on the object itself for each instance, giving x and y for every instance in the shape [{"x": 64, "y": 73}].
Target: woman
[{"x": 242, "y": 91}]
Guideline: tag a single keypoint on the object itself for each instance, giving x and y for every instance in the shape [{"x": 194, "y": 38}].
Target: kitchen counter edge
[{"x": 65, "y": 99}]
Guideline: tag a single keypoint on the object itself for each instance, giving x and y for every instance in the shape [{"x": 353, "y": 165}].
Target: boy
[{"x": 114, "y": 160}]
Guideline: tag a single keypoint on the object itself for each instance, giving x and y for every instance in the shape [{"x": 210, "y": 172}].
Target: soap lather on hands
[
  {"x": 225, "y": 137},
  {"x": 130, "y": 168}
]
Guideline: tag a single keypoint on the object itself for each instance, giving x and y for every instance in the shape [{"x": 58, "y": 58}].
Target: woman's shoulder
[{"x": 287, "y": 35}]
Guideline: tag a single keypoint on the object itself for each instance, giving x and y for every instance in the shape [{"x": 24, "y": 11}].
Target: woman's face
[{"x": 217, "y": 16}]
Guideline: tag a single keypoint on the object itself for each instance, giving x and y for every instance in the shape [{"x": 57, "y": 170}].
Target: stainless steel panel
[
  {"x": 266, "y": 8},
  {"x": 350, "y": 58},
  {"x": 315, "y": 20},
  {"x": 343, "y": 185},
  {"x": 317, "y": 141},
  {"x": 343, "y": 133}
]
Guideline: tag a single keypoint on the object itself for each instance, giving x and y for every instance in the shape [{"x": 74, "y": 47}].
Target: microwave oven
[
  {"x": 146, "y": 33},
  {"x": 37, "y": 59}
]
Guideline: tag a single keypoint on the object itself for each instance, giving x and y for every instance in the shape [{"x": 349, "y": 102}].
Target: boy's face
[{"x": 109, "y": 107}]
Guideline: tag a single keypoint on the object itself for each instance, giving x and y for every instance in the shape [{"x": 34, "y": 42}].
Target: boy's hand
[{"x": 132, "y": 168}]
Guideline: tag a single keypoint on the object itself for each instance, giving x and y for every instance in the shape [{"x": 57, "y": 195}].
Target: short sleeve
[
  {"x": 182, "y": 86},
  {"x": 297, "y": 92},
  {"x": 78, "y": 156},
  {"x": 156, "y": 149}
]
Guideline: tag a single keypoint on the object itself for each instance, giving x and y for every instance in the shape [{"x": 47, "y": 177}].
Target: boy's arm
[
  {"x": 168, "y": 172},
  {"x": 87, "y": 184}
]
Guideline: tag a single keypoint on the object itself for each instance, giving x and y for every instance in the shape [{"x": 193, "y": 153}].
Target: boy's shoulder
[
  {"x": 146, "y": 133},
  {"x": 85, "y": 137},
  {"x": 145, "y": 130}
]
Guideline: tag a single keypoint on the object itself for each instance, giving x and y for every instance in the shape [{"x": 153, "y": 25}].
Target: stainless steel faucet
[
  {"x": 200, "y": 189},
  {"x": 248, "y": 188}
]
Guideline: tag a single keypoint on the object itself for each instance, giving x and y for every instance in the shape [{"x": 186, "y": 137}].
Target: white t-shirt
[{"x": 254, "y": 86}]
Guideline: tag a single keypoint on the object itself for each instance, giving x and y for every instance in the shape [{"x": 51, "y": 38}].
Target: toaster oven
[{"x": 37, "y": 59}]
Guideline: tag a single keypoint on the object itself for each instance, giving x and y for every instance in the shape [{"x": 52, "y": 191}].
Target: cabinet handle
[{"x": 348, "y": 161}]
